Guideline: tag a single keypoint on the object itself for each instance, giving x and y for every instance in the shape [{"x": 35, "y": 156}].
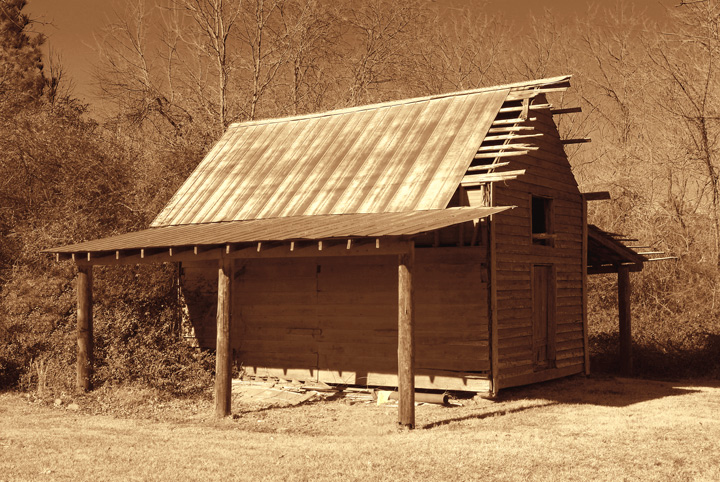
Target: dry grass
[{"x": 577, "y": 429}]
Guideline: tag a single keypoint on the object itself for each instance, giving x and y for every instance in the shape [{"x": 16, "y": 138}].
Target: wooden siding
[
  {"x": 335, "y": 319},
  {"x": 548, "y": 175}
]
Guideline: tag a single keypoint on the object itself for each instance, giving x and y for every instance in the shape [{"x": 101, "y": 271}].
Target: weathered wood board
[{"x": 335, "y": 319}]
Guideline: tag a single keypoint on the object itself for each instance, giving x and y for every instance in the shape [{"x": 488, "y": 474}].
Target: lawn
[{"x": 574, "y": 429}]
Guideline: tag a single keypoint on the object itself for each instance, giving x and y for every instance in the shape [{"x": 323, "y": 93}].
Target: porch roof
[
  {"x": 296, "y": 228},
  {"x": 606, "y": 253}
]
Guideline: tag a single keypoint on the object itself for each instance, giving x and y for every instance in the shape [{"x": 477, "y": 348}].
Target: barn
[{"x": 438, "y": 242}]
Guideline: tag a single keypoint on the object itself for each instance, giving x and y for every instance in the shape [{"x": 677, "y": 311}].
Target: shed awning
[
  {"x": 606, "y": 254},
  {"x": 297, "y": 228}
]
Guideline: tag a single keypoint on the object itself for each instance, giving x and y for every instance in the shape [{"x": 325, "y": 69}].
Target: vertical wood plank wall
[
  {"x": 548, "y": 174},
  {"x": 335, "y": 319}
]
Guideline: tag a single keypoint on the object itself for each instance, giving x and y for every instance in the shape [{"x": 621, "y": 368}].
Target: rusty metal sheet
[
  {"x": 312, "y": 227},
  {"x": 395, "y": 157}
]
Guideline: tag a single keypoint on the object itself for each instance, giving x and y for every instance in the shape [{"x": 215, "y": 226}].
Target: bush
[
  {"x": 136, "y": 325},
  {"x": 675, "y": 321}
]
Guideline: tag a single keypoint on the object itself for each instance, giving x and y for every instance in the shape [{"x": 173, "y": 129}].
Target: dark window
[{"x": 542, "y": 221}]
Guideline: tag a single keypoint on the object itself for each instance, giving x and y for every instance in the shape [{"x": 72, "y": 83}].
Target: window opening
[{"x": 542, "y": 221}]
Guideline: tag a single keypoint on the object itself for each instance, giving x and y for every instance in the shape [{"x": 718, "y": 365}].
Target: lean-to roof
[
  {"x": 296, "y": 228},
  {"x": 605, "y": 253}
]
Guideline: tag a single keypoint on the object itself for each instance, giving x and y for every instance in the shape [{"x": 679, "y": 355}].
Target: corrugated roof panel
[
  {"x": 396, "y": 157},
  {"x": 244, "y": 164},
  {"x": 288, "y": 166},
  {"x": 305, "y": 166},
  {"x": 226, "y": 193},
  {"x": 401, "y": 119},
  {"x": 367, "y": 140},
  {"x": 194, "y": 181},
  {"x": 425, "y": 169},
  {"x": 286, "y": 229},
  {"x": 459, "y": 155},
  {"x": 418, "y": 141},
  {"x": 337, "y": 164},
  {"x": 307, "y": 188}
]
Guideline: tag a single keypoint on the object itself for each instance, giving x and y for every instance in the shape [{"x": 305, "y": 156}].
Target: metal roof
[
  {"x": 395, "y": 157},
  {"x": 286, "y": 229}
]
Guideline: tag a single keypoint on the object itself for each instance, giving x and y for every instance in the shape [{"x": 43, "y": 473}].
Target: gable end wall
[{"x": 548, "y": 174}]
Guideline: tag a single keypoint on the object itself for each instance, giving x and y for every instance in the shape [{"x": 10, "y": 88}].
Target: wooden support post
[
  {"x": 406, "y": 339},
  {"x": 624, "y": 319},
  {"x": 493, "y": 305},
  {"x": 85, "y": 357},
  {"x": 223, "y": 350},
  {"x": 584, "y": 275}
]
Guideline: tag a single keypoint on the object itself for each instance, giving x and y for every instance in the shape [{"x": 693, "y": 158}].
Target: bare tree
[
  {"x": 379, "y": 39},
  {"x": 685, "y": 60},
  {"x": 214, "y": 21},
  {"x": 309, "y": 31},
  {"x": 460, "y": 51},
  {"x": 130, "y": 73}
]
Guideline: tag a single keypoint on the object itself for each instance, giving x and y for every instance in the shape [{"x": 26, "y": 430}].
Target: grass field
[{"x": 575, "y": 429}]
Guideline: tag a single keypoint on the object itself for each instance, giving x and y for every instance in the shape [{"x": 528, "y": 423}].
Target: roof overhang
[
  {"x": 606, "y": 254},
  {"x": 208, "y": 241}
]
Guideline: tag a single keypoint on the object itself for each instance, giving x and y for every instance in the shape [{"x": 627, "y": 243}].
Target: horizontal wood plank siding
[
  {"x": 548, "y": 174},
  {"x": 335, "y": 319}
]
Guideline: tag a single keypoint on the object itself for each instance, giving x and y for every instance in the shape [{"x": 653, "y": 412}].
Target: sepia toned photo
[{"x": 350, "y": 239}]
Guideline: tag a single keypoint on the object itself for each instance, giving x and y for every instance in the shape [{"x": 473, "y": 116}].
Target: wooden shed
[{"x": 436, "y": 242}]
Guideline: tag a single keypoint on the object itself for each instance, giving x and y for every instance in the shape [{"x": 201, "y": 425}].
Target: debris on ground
[{"x": 285, "y": 392}]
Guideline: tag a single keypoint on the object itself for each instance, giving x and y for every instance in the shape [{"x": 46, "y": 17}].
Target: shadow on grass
[
  {"x": 578, "y": 390},
  {"x": 602, "y": 391},
  {"x": 276, "y": 406},
  {"x": 484, "y": 415}
]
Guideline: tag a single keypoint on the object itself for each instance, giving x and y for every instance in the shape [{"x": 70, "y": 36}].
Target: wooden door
[{"x": 543, "y": 317}]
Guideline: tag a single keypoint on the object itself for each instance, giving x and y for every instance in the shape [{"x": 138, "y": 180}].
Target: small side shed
[{"x": 436, "y": 242}]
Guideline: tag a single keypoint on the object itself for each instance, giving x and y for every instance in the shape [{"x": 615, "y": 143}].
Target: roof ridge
[{"x": 346, "y": 110}]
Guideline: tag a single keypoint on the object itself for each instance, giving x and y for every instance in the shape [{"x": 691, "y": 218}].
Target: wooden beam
[
  {"x": 520, "y": 108},
  {"x": 406, "y": 339},
  {"x": 584, "y": 275},
  {"x": 612, "y": 268},
  {"x": 498, "y": 130},
  {"x": 493, "y": 305},
  {"x": 85, "y": 357},
  {"x": 507, "y": 147},
  {"x": 223, "y": 349},
  {"x": 493, "y": 155},
  {"x": 515, "y": 120},
  {"x": 357, "y": 248},
  {"x": 492, "y": 176},
  {"x": 531, "y": 94},
  {"x": 487, "y": 167},
  {"x": 596, "y": 196},
  {"x": 568, "y": 110},
  {"x": 625, "y": 325},
  {"x": 575, "y": 141},
  {"x": 503, "y": 137},
  {"x": 164, "y": 256}
]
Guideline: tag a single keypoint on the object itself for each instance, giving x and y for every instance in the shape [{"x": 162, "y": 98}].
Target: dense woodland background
[{"x": 173, "y": 77}]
